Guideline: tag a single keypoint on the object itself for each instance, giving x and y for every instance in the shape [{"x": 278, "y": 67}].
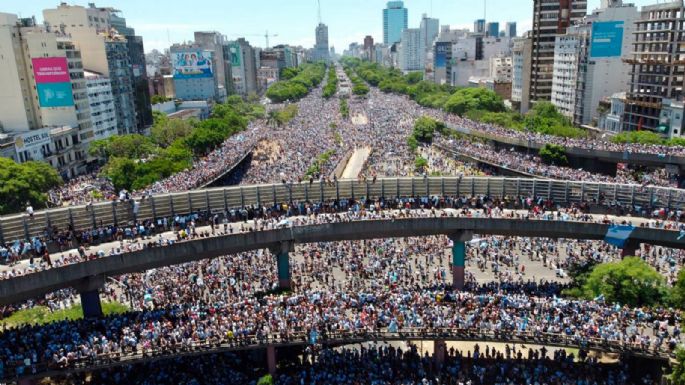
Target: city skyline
[{"x": 348, "y": 22}]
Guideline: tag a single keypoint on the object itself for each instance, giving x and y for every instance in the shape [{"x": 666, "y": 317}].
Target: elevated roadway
[
  {"x": 89, "y": 275},
  {"x": 592, "y": 159},
  {"x": 271, "y": 344},
  {"x": 217, "y": 200}
]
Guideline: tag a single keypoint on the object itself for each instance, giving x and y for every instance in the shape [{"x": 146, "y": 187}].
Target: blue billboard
[
  {"x": 55, "y": 95},
  {"x": 607, "y": 39},
  {"x": 441, "y": 50},
  {"x": 192, "y": 64}
]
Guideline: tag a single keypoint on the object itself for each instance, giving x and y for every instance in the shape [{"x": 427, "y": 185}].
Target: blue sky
[{"x": 162, "y": 22}]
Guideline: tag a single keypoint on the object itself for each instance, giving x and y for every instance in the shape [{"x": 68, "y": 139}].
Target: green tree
[
  {"x": 203, "y": 140},
  {"x": 546, "y": 119},
  {"x": 121, "y": 171},
  {"x": 421, "y": 164},
  {"x": 134, "y": 146},
  {"x": 642, "y": 137},
  {"x": 678, "y": 291},
  {"x": 425, "y": 128},
  {"x": 630, "y": 282},
  {"x": 553, "y": 154},
  {"x": 468, "y": 99},
  {"x": 156, "y": 99},
  {"x": 166, "y": 132},
  {"x": 677, "y": 376},
  {"x": 266, "y": 380},
  {"x": 26, "y": 182}
]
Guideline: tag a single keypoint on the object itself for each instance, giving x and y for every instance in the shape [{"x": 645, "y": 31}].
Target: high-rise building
[
  {"x": 510, "y": 29},
  {"x": 214, "y": 41},
  {"x": 520, "y": 79},
  {"x": 589, "y": 61},
  {"x": 107, "y": 51},
  {"x": 44, "y": 103},
  {"x": 195, "y": 75},
  {"x": 550, "y": 18},
  {"x": 656, "y": 76},
  {"x": 243, "y": 67},
  {"x": 369, "y": 51},
  {"x": 102, "y": 112},
  {"x": 479, "y": 26},
  {"x": 395, "y": 19},
  {"x": 321, "y": 48},
  {"x": 492, "y": 29},
  {"x": 410, "y": 54},
  {"x": 429, "y": 28}
]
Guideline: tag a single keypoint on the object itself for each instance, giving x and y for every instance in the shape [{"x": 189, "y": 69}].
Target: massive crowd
[{"x": 344, "y": 287}]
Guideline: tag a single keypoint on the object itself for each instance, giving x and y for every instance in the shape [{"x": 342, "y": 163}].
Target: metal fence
[{"x": 21, "y": 226}]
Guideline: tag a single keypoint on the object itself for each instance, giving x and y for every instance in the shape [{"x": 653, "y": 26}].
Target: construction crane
[{"x": 266, "y": 36}]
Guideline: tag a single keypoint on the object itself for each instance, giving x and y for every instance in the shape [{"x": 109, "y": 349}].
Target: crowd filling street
[{"x": 352, "y": 289}]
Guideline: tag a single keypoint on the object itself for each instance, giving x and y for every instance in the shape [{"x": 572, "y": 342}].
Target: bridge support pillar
[
  {"x": 271, "y": 359},
  {"x": 282, "y": 253},
  {"x": 459, "y": 257},
  {"x": 630, "y": 248},
  {"x": 90, "y": 296},
  {"x": 439, "y": 352}
]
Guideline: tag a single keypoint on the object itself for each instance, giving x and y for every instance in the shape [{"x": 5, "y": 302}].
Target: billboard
[
  {"x": 607, "y": 39},
  {"x": 55, "y": 95},
  {"x": 234, "y": 50},
  {"x": 32, "y": 139},
  {"x": 50, "y": 70},
  {"x": 192, "y": 64},
  {"x": 53, "y": 83},
  {"x": 441, "y": 50}
]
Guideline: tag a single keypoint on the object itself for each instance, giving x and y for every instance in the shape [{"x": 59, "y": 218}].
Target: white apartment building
[
  {"x": 410, "y": 50},
  {"x": 501, "y": 68},
  {"x": 520, "y": 77},
  {"x": 43, "y": 101},
  {"x": 594, "y": 50},
  {"x": 565, "y": 74},
  {"x": 102, "y": 111}
]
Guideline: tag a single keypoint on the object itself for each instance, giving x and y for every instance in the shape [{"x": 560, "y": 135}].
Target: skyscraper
[
  {"x": 550, "y": 18},
  {"x": 410, "y": 54},
  {"x": 395, "y": 19},
  {"x": 493, "y": 29},
  {"x": 429, "y": 30},
  {"x": 479, "y": 26},
  {"x": 321, "y": 48},
  {"x": 510, "y": 29}
]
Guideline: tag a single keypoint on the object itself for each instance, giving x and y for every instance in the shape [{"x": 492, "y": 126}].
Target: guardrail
[
  {"x": 22, "y": 226},
  {"x": 226, "y": 344}
]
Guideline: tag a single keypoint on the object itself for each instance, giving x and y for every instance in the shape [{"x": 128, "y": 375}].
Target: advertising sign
[
  {"x": 607, "y": 39},
  {"x": 441, "y": 49},
  {"x": 53, "y": 83},
  {"x": 50, "y": 70},
  {"x": 55, "y": 95},
  {"x": 191, "y": 65},
  {"x": 234, "y": 50},
  {"x": 32, "y": 139}
]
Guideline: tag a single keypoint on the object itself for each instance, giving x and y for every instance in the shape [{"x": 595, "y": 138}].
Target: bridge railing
[
  {"x": 131, "y": 355},
  {"x": 22, "y": 226}
]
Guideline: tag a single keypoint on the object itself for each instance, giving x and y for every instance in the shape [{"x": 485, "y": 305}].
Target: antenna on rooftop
[
  {"x": 485, "y": 10},
  {"x": 318, "y": 2}
]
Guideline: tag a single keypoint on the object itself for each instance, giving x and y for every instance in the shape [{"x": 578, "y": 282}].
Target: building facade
[
  {"x": 410, "y": 50},
  {"x": 321, "y": 51},
  {"x": 395, "y": 19},
  {"x": 429, "y": 29},
  {"x": 657, "y": 67},
  {"x": 195, "y": 75},
  {"x": 101, "y": 101},
  {"x": 510, "y": 29},
  {"x": 492, "y": 29},
  {"x": 243, "y": 67},
  {"x": 520, "y": 78},
  {"x": 550, "y": 18}
]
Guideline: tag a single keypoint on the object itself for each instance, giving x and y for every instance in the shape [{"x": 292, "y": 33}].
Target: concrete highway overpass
[
  {"x": 590, "y": 159},
  {"x": 272, "y": 344}
]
